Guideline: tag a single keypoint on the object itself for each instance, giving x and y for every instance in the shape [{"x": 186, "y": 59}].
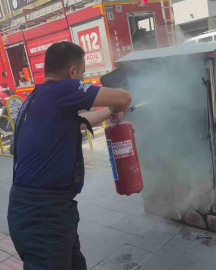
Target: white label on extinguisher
[{"x": 122, "y": 149}]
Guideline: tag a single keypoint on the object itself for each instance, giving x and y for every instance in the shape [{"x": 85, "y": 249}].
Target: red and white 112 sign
[{"x": 90, "y": 41}]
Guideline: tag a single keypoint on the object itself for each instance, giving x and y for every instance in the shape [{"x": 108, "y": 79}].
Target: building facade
[{"x": 193, "y": 17}]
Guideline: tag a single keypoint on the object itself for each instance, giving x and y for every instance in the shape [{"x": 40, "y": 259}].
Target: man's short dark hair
[{"x": 61, "y": 56}]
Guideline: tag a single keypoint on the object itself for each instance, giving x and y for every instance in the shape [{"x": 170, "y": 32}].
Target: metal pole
[
  {"x": 90, "y": 141},
  {"x": 26, "y": 21},
  {"x": 150, "y": 24},
  {"x": 1, "y": 147},
  {"x": 104, "y": 124},
  {"x": 11, "y": 9},
  {"x": 174, "y": 24},
  {"x": 63, "y": 8}
]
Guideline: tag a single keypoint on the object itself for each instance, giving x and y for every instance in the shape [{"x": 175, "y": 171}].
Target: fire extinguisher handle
[{"x": 132, "y": 108}]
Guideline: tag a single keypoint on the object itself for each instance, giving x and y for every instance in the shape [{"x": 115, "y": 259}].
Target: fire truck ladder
[{"x": 171, "y": 35}]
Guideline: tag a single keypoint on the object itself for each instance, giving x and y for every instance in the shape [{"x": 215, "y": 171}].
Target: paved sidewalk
[{"x": 114, "y": 231}]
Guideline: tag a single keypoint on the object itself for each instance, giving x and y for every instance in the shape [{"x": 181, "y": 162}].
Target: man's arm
[
  {"x": 118, "y": 99},
  {"x": 95, "y": 118}
]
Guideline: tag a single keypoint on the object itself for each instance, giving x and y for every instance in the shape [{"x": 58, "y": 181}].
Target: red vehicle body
[{"x": 107, "y": 31}]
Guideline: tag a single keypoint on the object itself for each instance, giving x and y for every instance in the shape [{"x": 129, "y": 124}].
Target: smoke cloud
[{"x": 171, "y": 128}]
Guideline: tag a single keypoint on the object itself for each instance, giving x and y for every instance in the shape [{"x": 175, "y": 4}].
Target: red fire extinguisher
[{"x": 124, "y": 158}]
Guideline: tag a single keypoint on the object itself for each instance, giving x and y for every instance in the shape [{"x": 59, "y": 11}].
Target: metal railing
[
  {"x": 10, "y": 30},
  {"x": 43, "y": 14}
]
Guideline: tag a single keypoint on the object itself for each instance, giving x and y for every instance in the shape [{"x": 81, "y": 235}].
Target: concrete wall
[
  {"x": 212, "y": 14},
  {"x": 184, "y": 9},
  {"x": 212, "y": 22},
  {"x": 212, "y": 7}
]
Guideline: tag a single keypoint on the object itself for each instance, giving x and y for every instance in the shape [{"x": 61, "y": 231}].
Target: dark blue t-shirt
[{"x": 46, "y": 142}]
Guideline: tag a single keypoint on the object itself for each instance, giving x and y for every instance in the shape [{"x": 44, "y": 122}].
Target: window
[
  {"x": 215, "y": 38},
  {"x": 148, "y": 25},
  {"x": 176, "y": 1},
  {"x": 190, "y": 42},
  {"x": 206, "y": 39}
]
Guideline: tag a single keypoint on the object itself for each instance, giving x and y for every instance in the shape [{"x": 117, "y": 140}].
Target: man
[{"x": 49, "y": 167}]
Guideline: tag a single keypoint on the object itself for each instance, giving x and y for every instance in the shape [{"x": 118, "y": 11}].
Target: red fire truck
[{"x": 106, "y": 31}]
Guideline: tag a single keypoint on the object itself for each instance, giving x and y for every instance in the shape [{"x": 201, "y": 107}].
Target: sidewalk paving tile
[
  {"x": 205, "y": 248},
  {"x": 6, "y": 170},
  {"x": 156, "y": 237},
  {"x": 7, "y": 248},
  {"x": 127, "y": 257},
  {"x": 4, "y": 201},
  {"x": 134, "y": 225},
  {"x": 12, "y": 263},
  {"x": 108, "y": 199},
  {"x": 4, "y": 256},
  {"x": 5, "y": 267},
  {"x": 100, "y": 235},
  {"x": 4, "y": 223},
  {"x": 17, "y": 256},
  {"x": 18, "y": 261},
  {"x": 146, "y": 244},
  {"x": 2, "y": 236},
  {"x": 95, "y": 253},
  {"x": 4, "y": 188},
  {"x": 8, "y": 241},
  {"x": 202, "y": 265},
  {"x": 168, "y": 258},
  {"x": 100, "y": 215}
]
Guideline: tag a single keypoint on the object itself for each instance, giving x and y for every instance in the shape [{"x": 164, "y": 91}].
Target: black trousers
[{"x": 43, "y": 227}]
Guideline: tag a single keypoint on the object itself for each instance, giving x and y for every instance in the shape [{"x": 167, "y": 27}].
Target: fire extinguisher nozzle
[{"x": 132, "y": 108}]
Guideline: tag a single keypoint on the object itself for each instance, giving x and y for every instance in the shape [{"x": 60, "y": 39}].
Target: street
[{"x": 114, "y": 231}]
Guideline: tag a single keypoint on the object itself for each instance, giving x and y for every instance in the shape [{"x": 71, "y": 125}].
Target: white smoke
[{"x": 171, "y": 128}]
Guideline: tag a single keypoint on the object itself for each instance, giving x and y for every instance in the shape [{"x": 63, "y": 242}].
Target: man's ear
[{"x": 71, "y": 72}]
